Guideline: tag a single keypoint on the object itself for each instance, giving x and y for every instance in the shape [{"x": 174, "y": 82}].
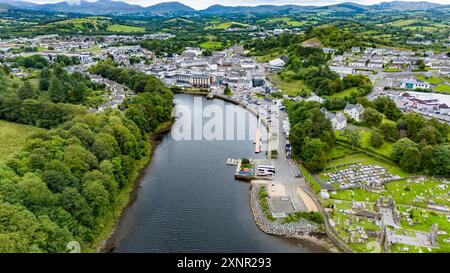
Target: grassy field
[
  {"x": 285, "y": 20},
  {"x": 88, "y": 23},
  {"x": 403, "y": 23},
  {"x": 12, "y": 138},
  {"x": 226, "y": 25},
  {"x": 385, "y": 149},
  {"x": 174, "y": 20},
  {"x": 367, "y": 160},
  {"x": 211, "y": 45},
  {"x": 290, "y": 87},
  {"x": 431, "y": 80},
  {"x": 392, "y": 70},
  {"x": 125, "y": 29},
  {"x": 402, "y": 191},
  {"x": 345, "y": 93},
  {"x": 270, "y": 55},
  {"x": 443, "y": 88},
  {"x": 313, "y": 42}
]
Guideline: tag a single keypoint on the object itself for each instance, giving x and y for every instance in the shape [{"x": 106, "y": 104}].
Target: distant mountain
[
  {"x": 168, "y": 8},
  {"x": 18, "y": 3},
  {"x": 95, "y": 8},
  {"x": 405, "y": 6},
  {"x": 217, "y": 9},
  {"x": 345, "y": 7},
  {"x": 106, "y": 7}
]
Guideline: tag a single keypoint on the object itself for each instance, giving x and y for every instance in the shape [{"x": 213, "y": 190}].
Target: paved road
[
  {"x": 286, "y": 168},
  {"x": 383, "y": 79}
]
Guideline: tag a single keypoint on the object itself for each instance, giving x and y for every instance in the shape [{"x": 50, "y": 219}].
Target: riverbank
[
  {"x": 302, "y": 230},
  {"x": 130, "y": 192}
]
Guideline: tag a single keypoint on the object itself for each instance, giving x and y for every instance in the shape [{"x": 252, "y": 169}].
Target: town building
[
  {"x": 414, "y": 84},
  {"x": 355, "y": 111},
  {"x": 338, "y": 120}
]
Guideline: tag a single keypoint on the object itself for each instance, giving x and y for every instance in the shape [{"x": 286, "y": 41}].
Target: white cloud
[{"x": 201, "y": 4}]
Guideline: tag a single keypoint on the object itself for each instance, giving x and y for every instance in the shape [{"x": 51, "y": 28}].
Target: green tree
[
  {"x": 56, "y": 90},
  {"x": 399, "y": 148},
  {"x": 371, "y": 117},
  {"x": 314, "y": 153},
  {"x": 414, "y": 123},
  {"x": 353, "y": 136},
  {"x": 27, "y": 91},
  {"x": 376, "y": 139},
  {"x": 410, "y": 160},
  {"x": 389, "y": 131},
  {"x": 76, "y": 204},
  {"x": 97, "y": 196}
]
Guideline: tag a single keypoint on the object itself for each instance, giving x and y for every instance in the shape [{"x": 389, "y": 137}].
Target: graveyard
[{"x": 407, "y": 215}]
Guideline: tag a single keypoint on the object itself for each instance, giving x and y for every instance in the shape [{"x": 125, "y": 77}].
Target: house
[
  {"x": 375, "y": 65},
  {"x": 354, "y": 111},
  {"x": 444, "y": 71},
  {"x": 414, "y": 84},
  {"x": 343, "y": 70},
  {"x": 358, "y": 64},
  {"x": 276, "y": 64},
  {"x": 316, "y": 98},
  {"x": 444, "y": 108},
  {"x": 338, "y": 121},
  {"x": 328, "y": 50},
  {"x": 356, "y": 49}
]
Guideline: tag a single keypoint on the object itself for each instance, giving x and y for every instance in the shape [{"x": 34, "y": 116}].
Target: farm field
[
  {"x": 402, "y": 23},
  {"x": 226, "y": 25},
  {"x": 211, "y": 45},
  {"x": 125, "y": 29},
  {"x": 286, "y": 20}
]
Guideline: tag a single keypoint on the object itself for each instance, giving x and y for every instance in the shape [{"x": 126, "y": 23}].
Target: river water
[{"x": 190, "y": 202}]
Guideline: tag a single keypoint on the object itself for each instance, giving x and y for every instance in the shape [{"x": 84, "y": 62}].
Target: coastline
[
  {"x": 302, "y": 230},
  {"x": 107, "y": 244}
]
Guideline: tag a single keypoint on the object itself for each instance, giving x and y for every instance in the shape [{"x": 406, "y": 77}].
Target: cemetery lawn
[
  {"x": 365, "y": 159},
  {"x": 12, "y": 138},
  {"x": 402, "y": 191}
]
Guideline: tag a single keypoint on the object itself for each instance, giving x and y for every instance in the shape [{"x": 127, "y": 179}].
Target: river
[{"x": 189, "y": 201}]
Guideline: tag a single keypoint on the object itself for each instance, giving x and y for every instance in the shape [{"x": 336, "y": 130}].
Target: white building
[
  {"x": 444, "y": 71},
  {"x": 343, "y": 70},
  {"x": 414, "y": 84},
  {"x": 276, "y": 64},
  {"x": 315, "y": 98},
  {"x": 354, "y": 111},
  {"x": 338, "y": 121}
]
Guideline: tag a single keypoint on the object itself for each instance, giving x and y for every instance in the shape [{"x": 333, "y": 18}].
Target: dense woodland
[
  {"x": 420, "y": 145},
  {"x": 65, "y": 182}
]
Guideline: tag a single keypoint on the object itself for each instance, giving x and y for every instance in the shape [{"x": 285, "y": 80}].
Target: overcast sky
[{"x": 201, "y": 4}]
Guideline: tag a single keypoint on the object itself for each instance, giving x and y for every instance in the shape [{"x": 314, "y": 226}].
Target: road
[
  {"x": 117, "y": 96},
  {"x": 386, "y": 79}
]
